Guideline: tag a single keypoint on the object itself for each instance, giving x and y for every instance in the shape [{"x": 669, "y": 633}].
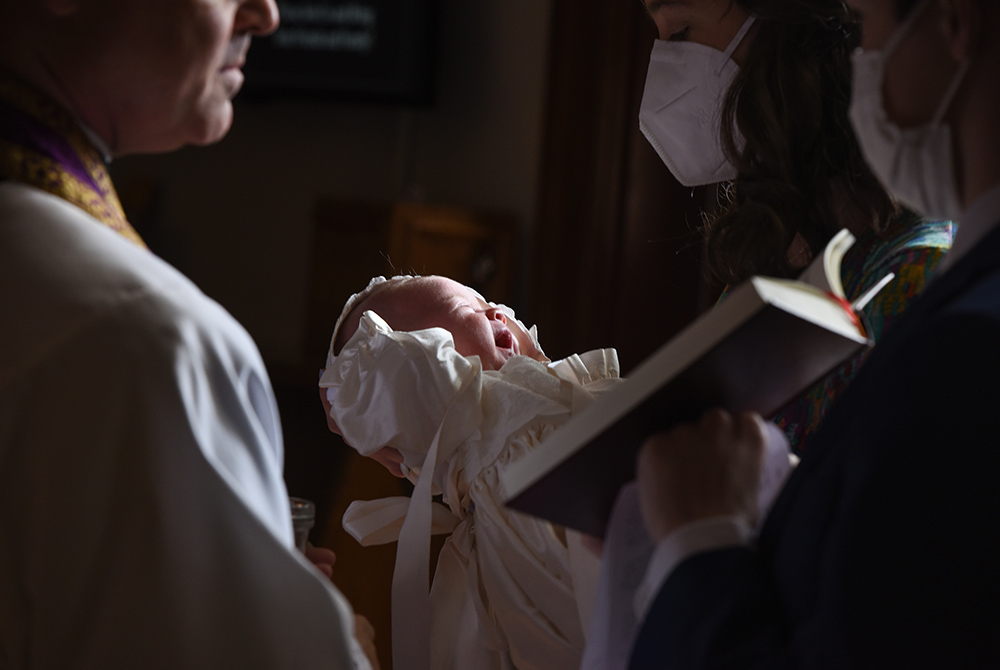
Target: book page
[
  {"x": 811, "y": 304},
  {"x": 824, "y": 271}
]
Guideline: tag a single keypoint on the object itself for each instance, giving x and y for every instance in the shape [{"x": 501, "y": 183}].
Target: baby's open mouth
[{"x": 504, "y": 339}]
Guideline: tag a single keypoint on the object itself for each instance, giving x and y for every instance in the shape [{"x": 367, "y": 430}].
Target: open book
[{"x": 769, "y": 340}]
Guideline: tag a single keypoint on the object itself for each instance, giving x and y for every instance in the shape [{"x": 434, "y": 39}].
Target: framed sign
[{"x": 351, "y": 50}]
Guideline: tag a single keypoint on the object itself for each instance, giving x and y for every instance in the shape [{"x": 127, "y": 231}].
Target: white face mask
[
  {"x": 916, "y": 164},
  {"x": 682, "y": 105}
]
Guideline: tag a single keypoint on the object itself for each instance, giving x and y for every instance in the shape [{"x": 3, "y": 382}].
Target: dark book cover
[{"x": 754, "y": 352}]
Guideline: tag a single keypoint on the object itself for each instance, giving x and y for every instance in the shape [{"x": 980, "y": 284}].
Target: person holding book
[
  {"x": 144, "y": 521},
  {"x": 448, "y": 389},
  {"x": 776, "y": 75},
  {"x": 881, "y": 550}
]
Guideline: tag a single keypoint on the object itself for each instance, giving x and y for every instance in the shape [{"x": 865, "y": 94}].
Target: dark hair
[{"x": 801, "y": 165}]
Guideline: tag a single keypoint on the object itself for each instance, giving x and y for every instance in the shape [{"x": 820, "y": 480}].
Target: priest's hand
[
  {"x": 322, "y": 558},
  {"x": 365, "y": 634}
]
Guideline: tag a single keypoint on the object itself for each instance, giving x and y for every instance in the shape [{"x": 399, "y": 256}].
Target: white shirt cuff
[{"x": 688, "y": 540}]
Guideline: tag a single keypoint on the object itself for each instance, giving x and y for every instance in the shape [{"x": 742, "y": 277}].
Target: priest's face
[{"x": 154, "y": 75}]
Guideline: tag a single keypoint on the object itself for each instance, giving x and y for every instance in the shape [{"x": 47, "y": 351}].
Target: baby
[{"x": 447, "y": 389}]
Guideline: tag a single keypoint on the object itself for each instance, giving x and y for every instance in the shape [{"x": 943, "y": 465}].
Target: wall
[{"x": 236, "y": 217}]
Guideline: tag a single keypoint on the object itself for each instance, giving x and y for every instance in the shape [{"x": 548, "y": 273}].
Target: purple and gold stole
[{"x": 42, "y": 145}]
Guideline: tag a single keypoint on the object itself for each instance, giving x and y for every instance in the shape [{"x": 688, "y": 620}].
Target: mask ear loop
[
  {"x": 737, "y": 39},
  {"x": 897, "y": 38},
  {"x": 901, "y": 32},
  {"x": 952, "y": 91}
]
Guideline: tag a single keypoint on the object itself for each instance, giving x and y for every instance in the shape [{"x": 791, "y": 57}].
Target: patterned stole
[{"x": 42, "y": 145}]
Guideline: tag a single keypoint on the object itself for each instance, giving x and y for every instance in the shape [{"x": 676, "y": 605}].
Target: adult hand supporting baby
[{"x": 701, "y": 470}]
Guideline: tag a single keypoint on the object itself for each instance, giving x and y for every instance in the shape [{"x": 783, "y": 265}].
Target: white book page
[{"x": 824, "y": 271}]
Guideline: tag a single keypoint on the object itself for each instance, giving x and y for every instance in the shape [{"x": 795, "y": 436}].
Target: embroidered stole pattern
[{"x": 42, "y": 145}]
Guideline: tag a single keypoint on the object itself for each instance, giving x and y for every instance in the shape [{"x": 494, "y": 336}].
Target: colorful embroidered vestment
[{"x": 43, "y": 146}]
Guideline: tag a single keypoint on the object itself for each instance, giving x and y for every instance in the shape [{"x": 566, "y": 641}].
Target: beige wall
[{"x": 236, "y": 217}]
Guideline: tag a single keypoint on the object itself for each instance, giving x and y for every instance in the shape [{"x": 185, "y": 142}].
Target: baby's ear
[{"x": 326, "y": 410}]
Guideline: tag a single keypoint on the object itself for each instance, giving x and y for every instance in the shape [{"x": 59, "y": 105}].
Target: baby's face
[{"x": 478, "y": 330}]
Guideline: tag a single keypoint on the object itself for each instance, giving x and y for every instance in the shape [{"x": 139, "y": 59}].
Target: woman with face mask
[{"x": 755, "y": 94}]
